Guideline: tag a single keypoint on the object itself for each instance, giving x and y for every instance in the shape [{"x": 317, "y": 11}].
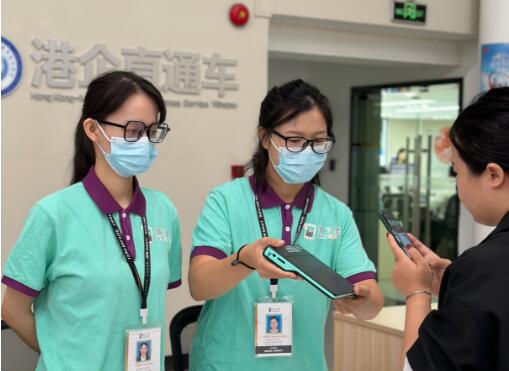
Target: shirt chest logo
[
  {"x": 313, "y": 231},
  {"x": 158, "y": 234},
  {"x": 161, "y": 234}
]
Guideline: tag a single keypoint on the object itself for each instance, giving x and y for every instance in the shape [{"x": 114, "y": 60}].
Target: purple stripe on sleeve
[
  {"x": 208, "y": 250},
  {"x": 361, "y": 277},
  {"x": 18, "y": 286},
  {"x": 175, "y": 284}
]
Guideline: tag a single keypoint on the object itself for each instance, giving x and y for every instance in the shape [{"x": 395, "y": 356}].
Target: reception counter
[{"x": 373, "y": 345}]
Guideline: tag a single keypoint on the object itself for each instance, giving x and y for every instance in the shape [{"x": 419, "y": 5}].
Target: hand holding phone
[{"x": 436, "y": 263}]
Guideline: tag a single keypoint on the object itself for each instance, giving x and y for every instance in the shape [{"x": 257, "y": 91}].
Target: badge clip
[{"x": 144, "y": 315}]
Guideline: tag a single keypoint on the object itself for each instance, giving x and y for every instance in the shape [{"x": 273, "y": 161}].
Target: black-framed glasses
[
  {"x": 299, "y": 144},
  {"x": 134, "y": 130}
]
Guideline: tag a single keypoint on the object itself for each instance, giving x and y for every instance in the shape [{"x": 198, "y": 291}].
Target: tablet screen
[{"x": 318, "y": 271}]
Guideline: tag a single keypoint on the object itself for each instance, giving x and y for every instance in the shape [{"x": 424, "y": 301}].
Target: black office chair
[
  {"x": 182, "y": 319},
  {"x": 444, "y": 232},
  {"x": 16, "y": 355}
]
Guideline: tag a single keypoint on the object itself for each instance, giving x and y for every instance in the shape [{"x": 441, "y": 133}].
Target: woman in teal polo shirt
[
  {"x": 295, "y": 134},
  {"x": 88, "y": 279}
]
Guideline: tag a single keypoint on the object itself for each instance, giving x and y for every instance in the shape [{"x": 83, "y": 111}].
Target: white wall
[
  {"x": 451, "y": 19},
  {"x": 37, "y": 137},
  {"x": 355, "y": 31}
]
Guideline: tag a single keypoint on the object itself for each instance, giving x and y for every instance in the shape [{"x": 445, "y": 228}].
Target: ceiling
[{"x": 431, "y": 102}]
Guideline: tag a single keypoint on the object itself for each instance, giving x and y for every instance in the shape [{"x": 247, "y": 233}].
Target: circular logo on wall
[{"x": 11, "y": 67}]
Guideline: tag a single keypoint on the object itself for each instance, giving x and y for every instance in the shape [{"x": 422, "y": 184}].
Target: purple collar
[
  {"x": 269, "y": 198},
  {"x": 105, "y": 201}
]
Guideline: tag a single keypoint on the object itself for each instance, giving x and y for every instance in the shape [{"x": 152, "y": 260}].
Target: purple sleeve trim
[
  {"x": 18, "y": 286},
  {"x": 174, "y": 285},
  {"x": 361, "y": 277},
  {"x": 208, "y": 250}
]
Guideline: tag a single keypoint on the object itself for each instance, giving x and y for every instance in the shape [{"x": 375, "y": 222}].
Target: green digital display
[{"x": 409, "y": 11}]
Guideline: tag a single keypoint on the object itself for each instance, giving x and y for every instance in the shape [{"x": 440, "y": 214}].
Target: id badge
[
  {"x": 143, "y": 349},
  {"x": 273, "y": 328}
]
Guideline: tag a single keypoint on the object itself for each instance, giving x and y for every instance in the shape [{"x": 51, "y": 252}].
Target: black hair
[
  {"x": 400, "y": 151},
  {"x": 480, "y": 134},
  {"x": 280, "y": 105},
  {"x": 105, "y": 95}
]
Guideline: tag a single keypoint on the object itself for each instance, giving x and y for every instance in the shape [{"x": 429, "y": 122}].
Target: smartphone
[
  {"x": 395, "y": 227},
  {"x": 298, "y": 260}
]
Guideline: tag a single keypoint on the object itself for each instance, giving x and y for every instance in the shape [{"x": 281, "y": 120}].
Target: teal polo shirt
[
  {"x": 224, "y": 338},
  {"x": 85, "y": 297}
]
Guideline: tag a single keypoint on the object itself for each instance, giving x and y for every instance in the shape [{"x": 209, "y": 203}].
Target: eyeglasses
[
  {"x": 134, "y": 130},
  {"x": 298, "y": 144}
]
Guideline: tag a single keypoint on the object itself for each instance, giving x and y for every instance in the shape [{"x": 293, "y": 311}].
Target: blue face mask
[
  {"x": 298, "y": 167},
  {"x": 129, "y": 158}
]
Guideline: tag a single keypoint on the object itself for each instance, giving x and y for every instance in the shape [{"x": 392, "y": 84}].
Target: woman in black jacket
[{"x": 470, "y": 329}]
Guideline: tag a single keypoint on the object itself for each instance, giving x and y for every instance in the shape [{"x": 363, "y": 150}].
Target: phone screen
[{"x": 395, "y": 227}]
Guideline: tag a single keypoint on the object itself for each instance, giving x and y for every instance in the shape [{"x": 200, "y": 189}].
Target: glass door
[{"x": 400, "y": 161}]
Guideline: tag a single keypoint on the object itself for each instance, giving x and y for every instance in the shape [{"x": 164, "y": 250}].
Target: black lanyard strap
[
  {"x": 123, "y": 246},
  {"x": 302, "y": 219},
  {"x": 263, "y": 228}
]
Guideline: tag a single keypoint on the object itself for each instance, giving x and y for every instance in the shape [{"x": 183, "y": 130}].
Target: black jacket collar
[{"x": 503, "y": 226}]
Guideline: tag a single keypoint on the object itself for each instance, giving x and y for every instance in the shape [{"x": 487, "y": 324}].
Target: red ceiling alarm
[{"x": 239, "y": 14}]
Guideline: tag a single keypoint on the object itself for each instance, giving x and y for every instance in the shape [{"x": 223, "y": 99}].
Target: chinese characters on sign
[{"x": 60, "y": 66}]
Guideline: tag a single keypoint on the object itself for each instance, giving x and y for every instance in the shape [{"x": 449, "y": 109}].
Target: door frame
[{"x": 356, "y": 89}]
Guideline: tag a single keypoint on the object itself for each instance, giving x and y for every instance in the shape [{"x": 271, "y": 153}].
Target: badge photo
[
  {"x": 273, "y": 329},
  {"x": 143, "y": 349}
]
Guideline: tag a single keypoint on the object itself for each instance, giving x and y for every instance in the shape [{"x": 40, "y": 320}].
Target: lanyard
[
  {"x": 263, "y": 229},
  {"x": 123, "y": 246}
]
